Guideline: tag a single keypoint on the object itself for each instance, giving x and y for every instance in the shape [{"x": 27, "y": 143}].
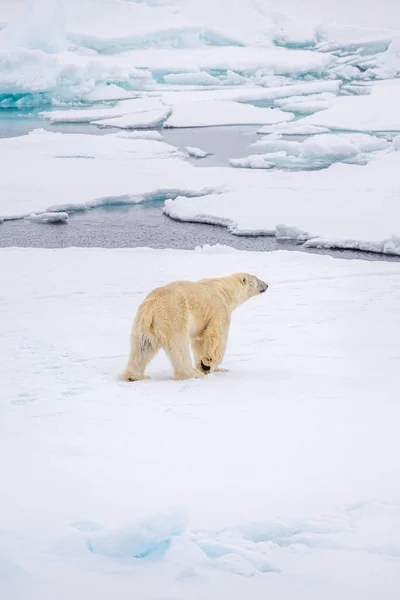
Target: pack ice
[{"x": 304, "y": 206}]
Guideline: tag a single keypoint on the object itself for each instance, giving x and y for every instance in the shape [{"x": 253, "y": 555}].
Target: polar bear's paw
[
  {"x": 207, "y": 366},
  {"x": 129, "y": 376},
  {"x": 193, "y": 374}
]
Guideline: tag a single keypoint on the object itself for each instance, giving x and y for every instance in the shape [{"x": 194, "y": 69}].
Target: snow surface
[
  {"x": 278, "y": 479},
  {"x": 88, "y": 171},
  {"x": 41, "y": 26},
  {"x": 72, "y": 51},
  {"x": 306, "y": 105},
  {"x": 316, "y": 151},
  {"x": 142, "y": 120},
  {"x": 275, "y": 60},
  {"x": 293, "y": 128},
  {"x": 216, "y": 112},
  {"x": 143, "y": 134},
  {"x": 134, "y": 106},
  {"x": 377, "y": 111},
  {"x": 340, "y": 205}
]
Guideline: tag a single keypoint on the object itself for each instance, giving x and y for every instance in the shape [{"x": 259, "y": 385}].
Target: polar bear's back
[{"x": 180, "y": 306}]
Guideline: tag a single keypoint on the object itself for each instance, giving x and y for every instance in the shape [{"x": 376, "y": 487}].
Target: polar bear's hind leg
[{"x": 143, "y": 349}]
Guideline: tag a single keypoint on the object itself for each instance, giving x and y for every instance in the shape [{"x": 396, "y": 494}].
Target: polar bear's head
[{"x": 249, "y": 286}]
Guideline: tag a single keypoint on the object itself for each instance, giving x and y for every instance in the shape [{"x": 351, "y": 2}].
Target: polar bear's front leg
[
  {"x": 201, "y": 359},
  {"x": 213, "y": 347},
  {"x": 197, "y": 347}
]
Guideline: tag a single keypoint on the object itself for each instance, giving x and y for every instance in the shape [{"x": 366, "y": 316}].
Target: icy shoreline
[{"x": 343, "y": 206}]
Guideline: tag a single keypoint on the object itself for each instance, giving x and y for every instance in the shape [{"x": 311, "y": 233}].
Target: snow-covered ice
[
  {"x": 195, "y": 107},
  {"x": 376, "y": 111},
  {"x": 141, "y": 120},
  {"x": 278, "y": 479},
  {"x": 196, "y": 152},
  {"x": 256, "y": 161},
  {"x": 293, "y": 128},
  {"x": 208, "y": 114},
  {"x": 72, "y": 51},
  {"x": 134, "y": 106},
  {"x": 316, "y": 151},
  {"x": 88, "y": 171},
  {"x": 142, "y": 134},
  {"x": 39, "y": 26},
  {"x": 29, "y": 77},
  {"x": 349, "y": 206},
  {"x": 49, "y": 217},
  {"x": 308, "y": 104},
  {"x": 274, "y": 60},
  {"x": 346, "y": 205}
]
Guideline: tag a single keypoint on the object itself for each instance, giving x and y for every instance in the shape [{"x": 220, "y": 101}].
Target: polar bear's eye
[{"x": 244, "y": 279}]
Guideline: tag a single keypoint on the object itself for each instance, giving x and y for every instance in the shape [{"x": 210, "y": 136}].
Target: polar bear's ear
[{"x": 244, "y": 279}]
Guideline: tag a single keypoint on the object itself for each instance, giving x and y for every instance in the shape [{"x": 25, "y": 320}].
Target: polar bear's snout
[{"x": 262, "y": 286}]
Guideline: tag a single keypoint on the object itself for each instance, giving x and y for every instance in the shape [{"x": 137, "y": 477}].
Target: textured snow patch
[
  {"x": 377, "y": 111},
  {"x": 273, "y": 60},
  {"x": 142, "y": 134},
  {"x": 346, "y": 204},
  {"x": 306, "y": 104},
  {"x": 256, "y": 161},
  {"x": 89, "y": 171},
  {"x": 109, "y": 92},
  {"x": 49, "y": 217},
  {"x": 387, "y": 246},
  {"x": 135, "y": 106},
  {"x": 96, "y": 443},
  {"x": 293, "y": 128},
  {"x": 149, "y": 538},
  {"x": 140, "y": 120},
  {"x": 317, "y": 151},
  {"x": 328, "y": 146},
  {"x": 197, "y": 78},
  {"x": 65, "y": 77},
  {"x": 196, "y": 152},
  {"x": 40, "y": 27},
  {"x": 212, "y": 113},
  {"x": 325, "y": 380}
]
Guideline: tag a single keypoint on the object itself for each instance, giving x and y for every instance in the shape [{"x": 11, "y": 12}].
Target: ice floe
[
  {"x": 196, "y": 152},
  {"x": 49, "y": 217},
  {"x": 376, "y": 111},
  {"x": 317, "y": 151},
  {"x": 347, "y": 206},
  {"x": 72, "y": 172},
  {"x": 208, "y": 114}
]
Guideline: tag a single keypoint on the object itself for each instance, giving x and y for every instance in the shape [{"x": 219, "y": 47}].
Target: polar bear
[{"x": 185, "y": 313}]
